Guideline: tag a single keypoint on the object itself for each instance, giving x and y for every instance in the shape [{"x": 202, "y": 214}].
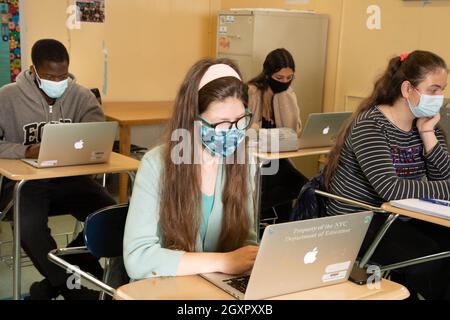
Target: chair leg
[
  {"x": 106, "y": 277},
  {"x": 131, "y": 176},
  {"x": 275, "y": 218},
  {"x": 386, "y": 274},
  {"x": 6, "y": 209}
]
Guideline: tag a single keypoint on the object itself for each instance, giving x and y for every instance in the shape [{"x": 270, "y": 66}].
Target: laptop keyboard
[{"x": 239, "y": 283}]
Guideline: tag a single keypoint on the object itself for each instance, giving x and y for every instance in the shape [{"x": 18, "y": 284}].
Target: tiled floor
[{"x": 58, "y": 225}]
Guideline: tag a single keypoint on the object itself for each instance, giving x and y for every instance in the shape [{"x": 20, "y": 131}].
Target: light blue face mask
[
  {"x": 221, "y": 144},
  {"x": 428, "y": 106},
  {"x": 53, "y": 89}
]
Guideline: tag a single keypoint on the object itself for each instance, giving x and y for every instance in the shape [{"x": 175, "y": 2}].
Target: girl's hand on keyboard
[{"x": 239, "y": 260}]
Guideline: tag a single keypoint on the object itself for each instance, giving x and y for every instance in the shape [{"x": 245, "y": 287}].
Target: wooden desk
[
  {"x": 130, "y": 114},
  {"x": 294, "y": 154},
  {"x": 416, "y": 215},
  {"x": 197, "y": 288},
  {"x": 21, "y": 172}
]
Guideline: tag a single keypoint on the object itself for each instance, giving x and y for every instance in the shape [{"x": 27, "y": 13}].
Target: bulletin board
[{"x": 10, "y": 53}]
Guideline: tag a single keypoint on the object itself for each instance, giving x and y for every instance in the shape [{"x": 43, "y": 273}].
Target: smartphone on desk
[{"x": 370, "y": 273}]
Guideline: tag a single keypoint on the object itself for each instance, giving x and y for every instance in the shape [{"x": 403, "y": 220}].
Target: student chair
[{"x": 103, "y": 236}]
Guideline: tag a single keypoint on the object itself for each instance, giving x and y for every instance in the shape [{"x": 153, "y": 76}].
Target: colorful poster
[
  {"x": 91, "y": 10},
  {"x": 10, "y": 54}
]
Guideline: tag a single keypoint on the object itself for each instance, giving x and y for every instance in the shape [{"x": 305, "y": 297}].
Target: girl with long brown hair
[
  {"x": 392, "y": 149},
  {"x": 187, "y": 216}
]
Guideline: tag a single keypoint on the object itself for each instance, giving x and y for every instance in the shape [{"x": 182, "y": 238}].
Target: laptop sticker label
[
  {"x": 97, "y": 155},
  {"x": 334, "y": 276},
  {"x": 49, "y": 163}
]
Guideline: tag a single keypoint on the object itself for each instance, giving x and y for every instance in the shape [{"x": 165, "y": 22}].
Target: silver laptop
[
  {"x": 300, "y": 255},
  {"x": 69, "y": 144},
  {"x": 321, "y": 129}
]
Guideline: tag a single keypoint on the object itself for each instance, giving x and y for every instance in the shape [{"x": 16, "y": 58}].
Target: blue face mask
[
  {"x": 221, "y": 144},
  {"x": 52, "y": 89},
  {"x": 428, "y": 106}
]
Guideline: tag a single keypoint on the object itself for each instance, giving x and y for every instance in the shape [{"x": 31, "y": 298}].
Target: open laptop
[
  {"x": 320, "y": 130},
  {"x": 300, "y": 255},
  {"x": 66, "y": 144}
]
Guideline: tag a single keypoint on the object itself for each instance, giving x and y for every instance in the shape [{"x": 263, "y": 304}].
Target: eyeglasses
[{"x": 242, "y": 123}]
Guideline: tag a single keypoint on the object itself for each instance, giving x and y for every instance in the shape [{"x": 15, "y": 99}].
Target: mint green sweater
[{"x": 142, "y": 252}]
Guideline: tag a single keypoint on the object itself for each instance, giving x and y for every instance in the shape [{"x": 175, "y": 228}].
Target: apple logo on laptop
[
  {"x": 311, "y": 256},
  {"x": 326, "y": 130},
  {"x": 79, "y": 145}
]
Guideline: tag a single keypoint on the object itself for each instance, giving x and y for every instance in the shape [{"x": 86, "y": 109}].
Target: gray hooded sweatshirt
[{"x": 24, "y": 112}]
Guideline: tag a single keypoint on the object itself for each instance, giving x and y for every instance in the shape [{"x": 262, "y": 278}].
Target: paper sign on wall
[{"x": 91, "y": 10}]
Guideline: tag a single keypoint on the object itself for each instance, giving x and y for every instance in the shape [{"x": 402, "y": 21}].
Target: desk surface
[
  {"x": 138, "y": 113},
  {"x": 294, "y": 154},
  {"x": 416, "y": 215},
  {"x": 19, "y": 170},
  {"x": 197, "y": 288}
]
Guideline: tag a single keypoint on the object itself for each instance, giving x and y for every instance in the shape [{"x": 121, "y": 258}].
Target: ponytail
[{"x": 387, "y": 90}]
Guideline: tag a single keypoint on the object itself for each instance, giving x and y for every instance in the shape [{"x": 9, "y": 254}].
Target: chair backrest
[
  {"x": 104, "y": 229},
  {"x": 97, "y": 94}
]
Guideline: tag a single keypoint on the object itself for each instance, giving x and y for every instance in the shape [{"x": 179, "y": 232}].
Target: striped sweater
[{"x": 380, "y": 162}]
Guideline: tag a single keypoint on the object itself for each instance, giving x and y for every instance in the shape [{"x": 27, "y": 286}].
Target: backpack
[{"x": 309, "y": 205}]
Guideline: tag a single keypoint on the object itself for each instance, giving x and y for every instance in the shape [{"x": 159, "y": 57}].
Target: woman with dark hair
[
  {"x": 191, "y": 210},
  {"x": 274, "y": 105},
  {"x": 392, "y": 149}
]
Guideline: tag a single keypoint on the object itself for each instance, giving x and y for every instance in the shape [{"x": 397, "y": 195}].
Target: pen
[{"x": 439, "y": 202}]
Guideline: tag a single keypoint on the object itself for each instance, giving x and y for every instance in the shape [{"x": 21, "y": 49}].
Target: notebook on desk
[
  {"x": 69, "y": 144},
  {"x": 299, "y": 255},
  {"x": 432, "y": 207}
]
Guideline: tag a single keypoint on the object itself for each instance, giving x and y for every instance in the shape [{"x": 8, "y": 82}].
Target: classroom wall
[
  {"x": 145, "y": 39},
  {"x": 151, "y": 43},
  {"x": 406, "y": 26},
  {"x": 357, "y": 55}
]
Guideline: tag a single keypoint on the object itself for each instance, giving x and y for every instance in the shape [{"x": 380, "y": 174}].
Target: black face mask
[{"x": 278, "y": 86}]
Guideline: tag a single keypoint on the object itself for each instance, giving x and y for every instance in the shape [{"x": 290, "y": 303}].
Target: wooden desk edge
[
  {"x": 416, "y": 215},
  {"x": 131, "y": 165},
  {"x": 139, "y": 122},
  {"x": 394, "y": 291},
  {"x": 293, "y": 154}
]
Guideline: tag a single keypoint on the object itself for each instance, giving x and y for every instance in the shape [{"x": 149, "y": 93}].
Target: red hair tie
[{"x": 404, "y": 56}]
